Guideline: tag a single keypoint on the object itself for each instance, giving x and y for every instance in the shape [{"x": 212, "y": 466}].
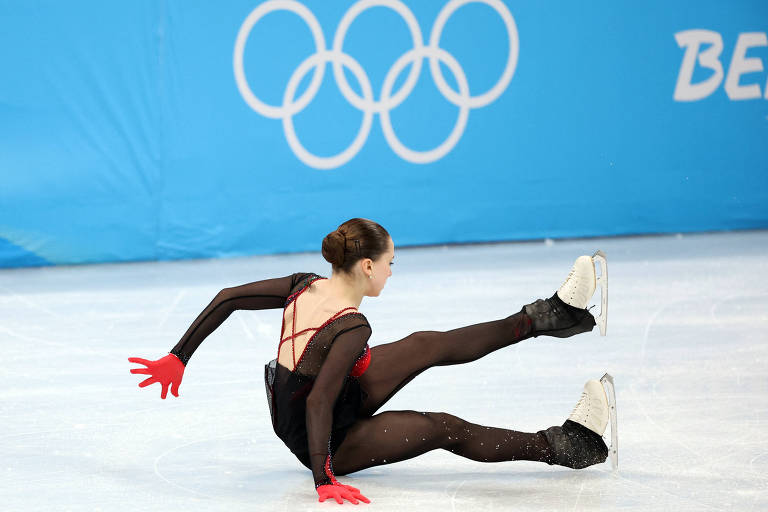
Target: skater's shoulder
[
  {"x": 302, "y": 279},
  {"x": 354, "y": 319}
]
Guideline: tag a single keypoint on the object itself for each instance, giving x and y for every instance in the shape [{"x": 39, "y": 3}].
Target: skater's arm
[
  {"x": 341, "y": 358},
  {"x": 266, "y": 294}
]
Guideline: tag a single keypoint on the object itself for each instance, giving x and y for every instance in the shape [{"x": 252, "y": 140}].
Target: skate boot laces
[
  {"x": 580, "y": 284},
  {"x": 581, "y": 411},
  {"x": 591, "y": 410}
]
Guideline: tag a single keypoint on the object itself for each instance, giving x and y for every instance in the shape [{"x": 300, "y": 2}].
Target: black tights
[{"x": 399, "y": 435}]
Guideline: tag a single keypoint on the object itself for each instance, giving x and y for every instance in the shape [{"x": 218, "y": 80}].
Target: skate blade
[
  {"x": 610, "y": 392},
  {"x": 602, "y": 282}
]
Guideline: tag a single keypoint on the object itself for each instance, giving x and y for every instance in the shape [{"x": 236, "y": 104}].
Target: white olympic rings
[{"x": 367, "y": 104}]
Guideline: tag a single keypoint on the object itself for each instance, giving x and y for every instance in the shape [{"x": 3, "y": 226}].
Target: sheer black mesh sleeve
[
  {"x": 344, "y": 351},
  {"x": 266, "y": 294}
]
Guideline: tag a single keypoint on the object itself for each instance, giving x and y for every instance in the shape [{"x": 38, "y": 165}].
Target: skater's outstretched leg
[
  {"x": 399, "y": 435},
  {"x": 393, "y": 365}
]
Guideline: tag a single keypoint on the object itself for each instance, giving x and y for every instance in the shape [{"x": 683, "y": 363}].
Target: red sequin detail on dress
[{"x": 362, "y": 363}]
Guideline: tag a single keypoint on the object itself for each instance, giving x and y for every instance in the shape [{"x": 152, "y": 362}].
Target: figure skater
[{"x": 326, "y": 384}]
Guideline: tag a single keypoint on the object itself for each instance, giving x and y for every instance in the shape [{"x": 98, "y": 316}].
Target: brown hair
[{"x": 352, "y": 241}]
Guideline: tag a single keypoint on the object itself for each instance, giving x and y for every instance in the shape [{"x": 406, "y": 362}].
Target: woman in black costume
[{"x": 326, "y": 384}]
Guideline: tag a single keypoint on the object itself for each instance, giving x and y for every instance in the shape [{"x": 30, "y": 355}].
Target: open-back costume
[{"x": 338, "y": 348}]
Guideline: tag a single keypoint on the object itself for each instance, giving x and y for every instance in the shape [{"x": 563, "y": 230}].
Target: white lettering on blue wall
[{"x": 693, "y": 40}]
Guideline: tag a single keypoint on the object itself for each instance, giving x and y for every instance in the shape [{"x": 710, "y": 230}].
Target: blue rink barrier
[{"x": 153, "y": 129}]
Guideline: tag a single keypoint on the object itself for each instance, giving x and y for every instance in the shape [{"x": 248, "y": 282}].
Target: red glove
[
  {"x": 340, "y": 492},
  {"x": 168, "y": 370}
]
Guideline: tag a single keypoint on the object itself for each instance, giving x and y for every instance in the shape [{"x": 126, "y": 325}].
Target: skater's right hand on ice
[
  {"x": 340, "y": 492},
  {"x": 168, "y": 371}
]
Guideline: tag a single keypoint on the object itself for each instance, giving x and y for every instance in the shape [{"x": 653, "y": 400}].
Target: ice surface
[{"x": 687, "y": 344}]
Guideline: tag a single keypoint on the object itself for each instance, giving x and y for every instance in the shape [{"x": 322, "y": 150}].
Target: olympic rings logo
[{"x": 388, "y": 99}]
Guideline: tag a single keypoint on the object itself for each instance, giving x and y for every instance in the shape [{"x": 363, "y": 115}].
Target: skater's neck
[{"x": 345, "y": 289}]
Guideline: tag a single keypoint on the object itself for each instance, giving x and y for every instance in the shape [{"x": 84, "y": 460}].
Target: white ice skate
[
  {"x": 595, "y": 407},
  {"x": 580, "y": 285}
]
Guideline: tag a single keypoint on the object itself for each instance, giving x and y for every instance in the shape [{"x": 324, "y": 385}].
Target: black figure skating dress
[
  {"x": 336, "y": 354},
  {"x": 287, "y": 390}
]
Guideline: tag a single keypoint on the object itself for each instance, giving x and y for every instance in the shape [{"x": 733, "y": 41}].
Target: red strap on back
[{"x": 360, "y": 366}]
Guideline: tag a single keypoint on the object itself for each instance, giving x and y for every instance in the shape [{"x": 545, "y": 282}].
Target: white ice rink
[{"x": 687, "y": 344}]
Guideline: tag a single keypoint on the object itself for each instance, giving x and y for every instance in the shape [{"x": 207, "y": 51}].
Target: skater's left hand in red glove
[
  {"x": 340, "y": 492},
  {"x": 168, "y": 371}
]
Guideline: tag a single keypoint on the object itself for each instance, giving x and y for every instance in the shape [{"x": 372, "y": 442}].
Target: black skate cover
[
  {"x": 553, "y": 317},
  {"x": 575, "y": 446}
]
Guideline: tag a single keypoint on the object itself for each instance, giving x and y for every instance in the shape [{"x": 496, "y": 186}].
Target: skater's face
[{"x": 382, "y": 269}]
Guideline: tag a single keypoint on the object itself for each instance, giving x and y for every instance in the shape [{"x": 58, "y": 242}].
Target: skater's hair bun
[{"x": 352, "y": 241}]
